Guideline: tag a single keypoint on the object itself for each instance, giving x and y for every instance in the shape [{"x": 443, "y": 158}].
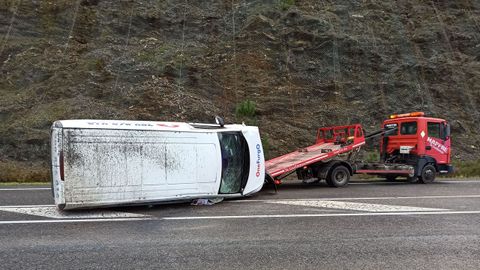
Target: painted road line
[
  {"x": 406, "y": 182},
  {"x": 366, "y": 198},
  {"x": 6, "y": 222},
  {"x": 53, "y": 212},
  {"x": 326, "y": 215},
  {"x": 27, "y": 205},
  {"x": 458, "y": 181},
  {"x": 382, "y": 182},
  {"x": 23, "y": 189},
  {"x": 367, "y": 207}
]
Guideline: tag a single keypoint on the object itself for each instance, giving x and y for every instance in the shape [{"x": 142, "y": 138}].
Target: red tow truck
[{"x": 411, "y": 145}]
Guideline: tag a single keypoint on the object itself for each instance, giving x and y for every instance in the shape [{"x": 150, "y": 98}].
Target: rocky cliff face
[{"x": 304, "y": 63}]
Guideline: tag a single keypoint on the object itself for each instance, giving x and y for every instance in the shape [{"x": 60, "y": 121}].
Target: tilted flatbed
[{"x": 329, "y": 158}]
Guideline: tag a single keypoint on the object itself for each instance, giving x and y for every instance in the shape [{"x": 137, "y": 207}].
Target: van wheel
[
  {"x": 428, "y": 174},
  {"x": 338, "y": 177}
]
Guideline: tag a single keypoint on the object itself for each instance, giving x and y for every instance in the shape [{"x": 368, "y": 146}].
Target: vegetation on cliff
[{"x": 303, "y": 63}]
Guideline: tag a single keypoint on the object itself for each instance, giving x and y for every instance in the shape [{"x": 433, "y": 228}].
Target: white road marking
[
  {"x": 4, "y": 222},
  {"x": 368, "y": 207},
  {"x": 406, "y": 183},
  {"x": 27, "y": 205},
  {"x": 367, "y": 198},
  {"x": 23, "y": 189},
  {"x": 458, "y": 181},
  {"x": 53, "y": 212},
  {"x": 325, "y": 215}
]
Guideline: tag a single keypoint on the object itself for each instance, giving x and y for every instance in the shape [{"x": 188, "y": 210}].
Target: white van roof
[{"x": 143, "y": 125}]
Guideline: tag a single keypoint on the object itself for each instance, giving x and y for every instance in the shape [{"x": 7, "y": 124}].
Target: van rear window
[{"x": 408, "y": 128}]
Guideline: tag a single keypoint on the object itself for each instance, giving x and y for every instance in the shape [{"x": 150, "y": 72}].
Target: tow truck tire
[
  {"x": 338, "y": 177},
  {"x": 428, "y": 174}
]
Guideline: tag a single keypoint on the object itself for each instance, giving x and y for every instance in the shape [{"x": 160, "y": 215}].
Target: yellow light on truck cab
[
  {"x": 417, "y": 114},
  {"x": 412, "y": 114}
]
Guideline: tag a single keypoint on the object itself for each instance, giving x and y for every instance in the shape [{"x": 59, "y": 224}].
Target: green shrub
[
  {"x": 246, "y": 109},
  {"x": 286, "y": 4}
]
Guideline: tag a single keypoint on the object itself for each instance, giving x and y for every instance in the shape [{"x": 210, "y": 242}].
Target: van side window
[
  {"x": 235, "y": 162},
  {"x": 408, "y": 128},
  {"x": 434, "y": 130}
]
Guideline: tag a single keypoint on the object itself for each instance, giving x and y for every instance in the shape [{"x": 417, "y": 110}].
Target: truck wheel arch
[
  {"x": 338, "y": 176},
  {"x": 424, "y": 161},
  {"x": 326, "y": 168}
]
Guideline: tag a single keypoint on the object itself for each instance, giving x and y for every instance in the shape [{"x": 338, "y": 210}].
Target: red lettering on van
[{"x": 168, "y": 125}]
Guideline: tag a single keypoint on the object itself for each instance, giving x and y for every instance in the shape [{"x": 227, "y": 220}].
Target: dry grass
[
  {"x": 464, "y": 169},
  {"x": 22, "y": 172}
]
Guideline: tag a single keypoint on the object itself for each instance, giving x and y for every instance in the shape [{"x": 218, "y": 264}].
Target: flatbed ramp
[
  {"x": 300, "y": 158},
  {"x": 330, "y": 143}
]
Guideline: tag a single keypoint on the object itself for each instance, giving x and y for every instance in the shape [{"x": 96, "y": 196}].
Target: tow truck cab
[{"x": 417, "y": 140}]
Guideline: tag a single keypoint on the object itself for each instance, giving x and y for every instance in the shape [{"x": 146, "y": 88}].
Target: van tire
[
  {"x": 338, "y": 177},
  {"x": 428, "y": 174}
]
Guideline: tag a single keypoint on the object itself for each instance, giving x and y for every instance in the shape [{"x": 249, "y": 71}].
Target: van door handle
[{"x": 428, "y": 147}]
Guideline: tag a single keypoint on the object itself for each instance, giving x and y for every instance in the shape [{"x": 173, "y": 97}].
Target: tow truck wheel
[
  {"x": 428, "y": 174},
  {"x": 338, "y": 177}
]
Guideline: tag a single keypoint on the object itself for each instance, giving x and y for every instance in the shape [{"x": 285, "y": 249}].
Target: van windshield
[{"x": 235, "y": 162}]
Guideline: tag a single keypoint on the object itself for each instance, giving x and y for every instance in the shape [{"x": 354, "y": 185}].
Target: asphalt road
[{"x": 364, "y": 226}]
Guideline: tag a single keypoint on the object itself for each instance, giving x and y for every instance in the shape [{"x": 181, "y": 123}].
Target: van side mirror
[{"x": 219, "y": 120}]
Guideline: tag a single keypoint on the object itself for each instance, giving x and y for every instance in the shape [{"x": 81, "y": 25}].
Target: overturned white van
[{"x": 97, "y": 163}]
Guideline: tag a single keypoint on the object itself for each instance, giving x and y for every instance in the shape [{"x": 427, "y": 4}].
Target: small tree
[{"x": 246, "y": 109}]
